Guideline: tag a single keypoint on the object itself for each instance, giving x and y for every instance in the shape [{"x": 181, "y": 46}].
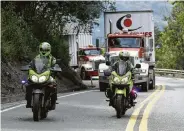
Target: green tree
[
  {"x": 157, "y": 34},
  {"x": 27, "y": 23},
  {"x": 17, "y": 39},
  {"x": 171, "y": 54}
]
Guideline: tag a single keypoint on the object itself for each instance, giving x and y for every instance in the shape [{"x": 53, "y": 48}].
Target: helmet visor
[
  {"x": 124, "y": 58},
  {"x": 44, "y": 51}
]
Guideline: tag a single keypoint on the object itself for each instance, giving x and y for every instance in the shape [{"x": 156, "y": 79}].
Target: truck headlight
[
  {"x": 42, "y": 79},
  {"x": 101, "y": 71},
  {"x": 143, "y": 71},
  {"x": 34, "y": 78}
]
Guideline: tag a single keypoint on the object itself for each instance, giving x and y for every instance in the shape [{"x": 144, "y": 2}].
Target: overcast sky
[{"x": 160, "y": 9}]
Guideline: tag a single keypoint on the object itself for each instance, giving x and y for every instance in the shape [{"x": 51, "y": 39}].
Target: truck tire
[
  {"x": 145, "y": 86},
  {"x": 152, "y": 85},
  {"x": 102, "y": 86}
]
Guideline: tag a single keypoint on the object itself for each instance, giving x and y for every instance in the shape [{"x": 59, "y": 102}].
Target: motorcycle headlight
[
  {"x": 116, "y": 80},
  {"x": 124, "y": 80},
  {"x": 34, "y": 78},
  {"x": 42, "y": 79}
]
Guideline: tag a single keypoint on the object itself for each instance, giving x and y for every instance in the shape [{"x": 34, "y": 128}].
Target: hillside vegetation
[
  {"x": 25, "y": 24},
  {"x": 171, "y": 53}
]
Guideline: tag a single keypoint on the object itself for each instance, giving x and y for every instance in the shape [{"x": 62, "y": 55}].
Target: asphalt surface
[{"x": 88, "y": 111}]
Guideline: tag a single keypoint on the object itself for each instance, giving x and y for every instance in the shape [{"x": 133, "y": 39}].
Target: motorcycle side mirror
[
  {"x": 26, "y": 58},
  {"x": 58, "y": 61},
  {"x": 138, "y": 66},
  {"x": 107, "y": 73},
  {"x": 56, "y": 68},
  {"x": 25, "y": 68},
  {"x": 108, "y": 63}
]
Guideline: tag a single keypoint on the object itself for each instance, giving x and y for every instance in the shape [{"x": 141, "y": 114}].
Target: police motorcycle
[
  {"x": 40, "y": 78},
  {"x": 120, "y": 90}
]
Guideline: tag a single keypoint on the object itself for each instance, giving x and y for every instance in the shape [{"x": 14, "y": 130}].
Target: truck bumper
[
  {"x": 140, "y": 79},
  {"x": 92, "y": 73}
]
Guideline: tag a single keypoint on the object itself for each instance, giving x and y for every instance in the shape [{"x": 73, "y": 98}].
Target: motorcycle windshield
[
  {"x": 40, "y": 64},
  {"x": 122, "y": 68}
]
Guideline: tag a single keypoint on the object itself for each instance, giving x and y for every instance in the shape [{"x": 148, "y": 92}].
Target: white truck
[
  {"x": 85, "y": 58},
  {"x": 138, "y": 41}
]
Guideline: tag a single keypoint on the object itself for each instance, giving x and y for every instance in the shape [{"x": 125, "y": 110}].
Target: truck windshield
[
  {"x": 124, "y": 42},
  {"x": 92, "y": 52}
]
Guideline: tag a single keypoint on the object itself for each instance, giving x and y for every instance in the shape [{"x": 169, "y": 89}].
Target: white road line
[
  {"x": 75, "y": 94},
  {"x": 58, "y": 98},
  {"x": 12, "y": 108}
]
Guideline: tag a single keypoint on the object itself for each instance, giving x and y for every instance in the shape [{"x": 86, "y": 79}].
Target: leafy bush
[{"x": 17, "y": 39}]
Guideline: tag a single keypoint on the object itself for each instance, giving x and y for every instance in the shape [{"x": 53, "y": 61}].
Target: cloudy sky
[{"x": 160, "y": 9}]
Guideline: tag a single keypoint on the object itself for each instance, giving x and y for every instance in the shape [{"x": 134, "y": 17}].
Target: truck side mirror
[
  {"x": 107, "y": 54},
  {"x": 142, "y": 43},
  {"x": 97, "y": 43},
  {"x": 138, "y": 66},
  {"x": 108, "y": 63}
]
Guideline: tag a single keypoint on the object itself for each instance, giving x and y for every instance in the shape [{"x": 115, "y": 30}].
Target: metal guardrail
[{"x": 165, "y": 72}]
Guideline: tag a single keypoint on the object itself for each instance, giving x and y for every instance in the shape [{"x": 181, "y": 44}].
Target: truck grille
[{"x": 96, "y": 64}]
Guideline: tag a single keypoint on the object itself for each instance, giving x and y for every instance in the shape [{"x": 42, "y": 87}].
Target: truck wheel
[
  {"x": 152, "y": 85},
  {"x": 102, "y": 86},
  {"x": 83, "y": 74},
  {"x": 145, "y": 86}
]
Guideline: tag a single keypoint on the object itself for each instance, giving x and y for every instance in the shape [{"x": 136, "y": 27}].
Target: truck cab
[{"x": 89, "y": 59}]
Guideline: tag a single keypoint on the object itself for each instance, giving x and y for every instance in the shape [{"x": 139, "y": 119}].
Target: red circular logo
[{"x": 127, "y": 22}]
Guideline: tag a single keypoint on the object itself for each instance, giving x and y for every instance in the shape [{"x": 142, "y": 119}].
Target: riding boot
[
  {"x": 53, "y": 101},
  {"x": 28, "y": 96}
]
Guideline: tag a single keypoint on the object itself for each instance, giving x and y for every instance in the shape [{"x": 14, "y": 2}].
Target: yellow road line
[
  {"x": 144, "y": 122},
  {"x": 133, "y": 118}
]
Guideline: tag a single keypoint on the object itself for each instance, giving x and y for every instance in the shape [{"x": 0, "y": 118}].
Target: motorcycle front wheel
[
  {"x": 36, "y": 107},
  {"x": 120, "y": 106}
]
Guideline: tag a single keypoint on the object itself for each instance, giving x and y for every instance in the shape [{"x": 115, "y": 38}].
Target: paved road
[{"x": 160, "y": 109}]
